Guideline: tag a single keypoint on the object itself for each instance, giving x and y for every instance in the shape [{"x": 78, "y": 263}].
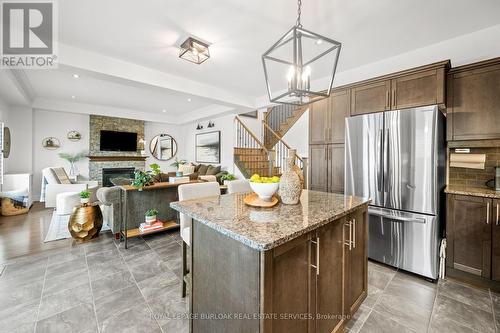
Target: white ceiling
[{"x": 149, "y": 33}]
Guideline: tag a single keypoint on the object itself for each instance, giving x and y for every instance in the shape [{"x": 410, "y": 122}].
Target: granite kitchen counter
[
  {"x": 472, "y": 191},
  {"x": 266, "y": 228}
]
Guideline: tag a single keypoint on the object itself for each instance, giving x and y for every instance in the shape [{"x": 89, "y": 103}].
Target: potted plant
[
  {"x": 227, "y": 178},
  {"x": 72, "y": 159},
  {"x": 151, "y": 216},
  {"x": 141, "y": 179},
  {"x": 176, "y": 164},
  {"x": 84, "y": 197},
  {"x": 156, "y": 171}
]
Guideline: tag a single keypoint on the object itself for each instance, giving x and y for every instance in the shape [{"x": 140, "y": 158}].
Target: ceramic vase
[{"x": 290, "y": 183}]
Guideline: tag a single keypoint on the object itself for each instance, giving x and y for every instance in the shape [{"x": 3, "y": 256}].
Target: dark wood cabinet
[
  {"x": 356, "y": 250},
  {"x": 318, "y": 167},
  {"x": 371, "y": 97},
  {"x": 340, "y": 103},
  {"x": 329, "y": 277},
  {"x": 495, "y": 242},
  {"x": 473, "y": 111},
  {"x": 292, "y": 296},
  {"x": 419, "y": 89},
  {"x": 326, "y": 168},
  {"x": 319, "y": 130},
  {"x": 468, "y": 233}
]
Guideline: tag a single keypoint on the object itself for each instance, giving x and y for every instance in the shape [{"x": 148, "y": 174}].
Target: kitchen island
[{"x": 290, "y": 268}]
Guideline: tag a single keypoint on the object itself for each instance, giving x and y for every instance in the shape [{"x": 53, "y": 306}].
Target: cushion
[
  {"x": 213, "y": 170},
  {"x": 197, "y": 167},
  {"x": 202, "y": 170},
  {"x": 186, "y": 169},
  {"x": 61, "y": 175}
]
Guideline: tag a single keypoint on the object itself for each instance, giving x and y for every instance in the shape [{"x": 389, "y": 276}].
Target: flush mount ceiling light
[
  {"x": 194, "y": 50},
  {"x": 299, "y": 68}
]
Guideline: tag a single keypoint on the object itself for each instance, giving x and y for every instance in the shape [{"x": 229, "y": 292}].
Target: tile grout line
[
  {"x": 433, "y": 307},
  {"x": 91, "y": 291},
  {"x": 41, "y": 294},
  {"x": 493, "y": 311},
  {"x": 137, "y": 285}
]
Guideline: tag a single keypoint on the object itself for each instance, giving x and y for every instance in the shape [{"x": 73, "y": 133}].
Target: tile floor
[{"x": 101, "y": 287}]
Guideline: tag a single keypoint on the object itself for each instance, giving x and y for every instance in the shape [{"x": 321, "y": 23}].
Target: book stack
[
  {"x": 176, "y": 180},
  {"x": 154, "y": 226}
]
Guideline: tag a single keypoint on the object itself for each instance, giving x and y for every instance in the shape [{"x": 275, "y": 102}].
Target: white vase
[
  {"x": 150, "y": 219},
  {"x": 84, "y": 201}
]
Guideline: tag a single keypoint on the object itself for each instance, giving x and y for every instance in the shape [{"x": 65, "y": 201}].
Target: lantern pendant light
[{"x": 300, "y": 67}]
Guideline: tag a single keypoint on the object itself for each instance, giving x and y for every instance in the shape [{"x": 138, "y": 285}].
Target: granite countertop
[
  {"x": 473, "y": 191},
  {"x": 266, "y": 228}
]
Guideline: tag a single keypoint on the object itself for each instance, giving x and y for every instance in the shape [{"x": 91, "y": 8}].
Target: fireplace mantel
[{"x": 110, "y": 158}]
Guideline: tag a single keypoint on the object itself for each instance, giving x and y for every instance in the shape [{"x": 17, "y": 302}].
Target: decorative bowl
[{"x": 265, "y": 191}]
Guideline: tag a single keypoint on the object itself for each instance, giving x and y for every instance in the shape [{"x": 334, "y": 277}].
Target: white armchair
[{"x": 55, "y": 181}]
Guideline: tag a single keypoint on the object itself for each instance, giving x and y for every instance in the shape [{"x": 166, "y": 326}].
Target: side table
[{"x": 85, "y": 222}]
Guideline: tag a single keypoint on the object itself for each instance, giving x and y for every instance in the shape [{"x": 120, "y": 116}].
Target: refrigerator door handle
[
  {"x": 381, "y": 161},
  {"x": 399, "y": 218}
]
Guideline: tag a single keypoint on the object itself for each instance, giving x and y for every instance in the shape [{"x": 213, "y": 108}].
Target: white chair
[
  {"x": 190, "y": 192},
  {"x": 238, "y": 186},
  {"x": 55, "y": 181},
  {"x": 66, "y": 201},
  {"x": 21, "y": 183}
]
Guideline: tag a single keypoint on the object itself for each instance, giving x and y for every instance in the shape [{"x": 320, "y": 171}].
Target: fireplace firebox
[{"x": 110, "y": 173}]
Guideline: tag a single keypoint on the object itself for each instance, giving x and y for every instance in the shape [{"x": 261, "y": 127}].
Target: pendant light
[{"x": 299, "y": 68}]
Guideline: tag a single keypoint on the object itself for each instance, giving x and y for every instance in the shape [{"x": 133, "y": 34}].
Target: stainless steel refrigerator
[{"x": 397, "y": 158}]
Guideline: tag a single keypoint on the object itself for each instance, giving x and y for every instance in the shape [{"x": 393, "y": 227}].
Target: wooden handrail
[
  {"x": 280, "y": 138},
  {"x": 251, "y": 134},
  {"x": 269, "y": 110}
]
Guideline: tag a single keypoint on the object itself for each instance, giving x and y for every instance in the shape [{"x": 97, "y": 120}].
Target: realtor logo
[{"x": 28, "y": 31}]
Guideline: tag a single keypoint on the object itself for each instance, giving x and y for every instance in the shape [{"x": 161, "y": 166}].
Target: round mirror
[{"x": 163, "y": 147}]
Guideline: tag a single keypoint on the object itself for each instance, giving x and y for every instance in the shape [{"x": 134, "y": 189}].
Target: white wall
[
  {"x": 152, "y": 129},
  {"x": 297, "y": 137},
  {"x": 58, "y": 124},
  {"x": 20, "y": 123}
]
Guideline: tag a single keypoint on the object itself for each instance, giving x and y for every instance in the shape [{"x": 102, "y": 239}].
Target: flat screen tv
[{"x": 118, "y": 141}]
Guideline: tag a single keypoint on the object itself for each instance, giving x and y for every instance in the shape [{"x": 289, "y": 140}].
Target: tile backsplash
[{"x": 475, "y": 177}]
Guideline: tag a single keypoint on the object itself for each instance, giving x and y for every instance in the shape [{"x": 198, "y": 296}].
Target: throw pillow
[
  {"x": 213, "y": 170},
  {"x": 202, "y": 170},
  {"x": 61, "y": 175},
  {"x": 186, "y": 169}
]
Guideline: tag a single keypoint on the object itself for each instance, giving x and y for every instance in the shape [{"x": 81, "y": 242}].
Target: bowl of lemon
[{"x": 265, "y": 187}]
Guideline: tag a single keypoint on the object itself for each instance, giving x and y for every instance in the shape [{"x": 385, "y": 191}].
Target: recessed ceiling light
[
  {"x": 164, "y": 110},
  {"x": 76, "y": 76},
  {"x": 319, "y": 41},
  {"x": 73, "y": 97},
  {"x": 189, "y": 99}
]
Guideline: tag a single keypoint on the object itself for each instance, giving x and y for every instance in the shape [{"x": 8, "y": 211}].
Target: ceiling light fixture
[
  {"x": 189, "y": 99},
  {"x": 164, "y": 111},
  {"x": 299, "y": 68},
  {"x": 73, "y": 97},
  {"x": 194, "y": 51},
  {"x": 76, "y": 76}
]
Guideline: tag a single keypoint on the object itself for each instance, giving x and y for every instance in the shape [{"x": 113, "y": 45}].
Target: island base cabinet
[
  {"x": 495, "y": 243},
  {"x": 301, "y": 286},
  {"x": 355, "y": 267}
]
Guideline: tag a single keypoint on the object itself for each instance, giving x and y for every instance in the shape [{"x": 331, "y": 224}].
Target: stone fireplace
[{"x": 100, "y": 160}]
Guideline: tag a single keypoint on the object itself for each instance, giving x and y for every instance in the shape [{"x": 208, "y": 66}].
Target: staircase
[
  {"x": 251, "y": 156},
  {"x": 280, "y": 119}
]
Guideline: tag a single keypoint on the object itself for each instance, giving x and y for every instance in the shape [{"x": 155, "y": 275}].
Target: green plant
[
  {"x": 228, "y": 176},
  {"x": 178, "y": 162},
  {"x": 155, "y": 168},
  {"x": 141, "y": 179},
  {"x": 72, "y": 158},
  {"x": 85, "y": 194},
  {"x": 151, "y": 212}
]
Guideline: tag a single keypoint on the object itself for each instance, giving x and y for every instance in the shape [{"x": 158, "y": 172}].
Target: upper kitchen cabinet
[
  {"x": 371, "y": 97},
  {"x": 327, "y": 118},
  {"x": 421, "y": 86},
  {"x": 474, "y": 101}
]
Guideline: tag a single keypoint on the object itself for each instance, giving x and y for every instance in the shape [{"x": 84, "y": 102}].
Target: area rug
[{"x": 58, "y": 228}]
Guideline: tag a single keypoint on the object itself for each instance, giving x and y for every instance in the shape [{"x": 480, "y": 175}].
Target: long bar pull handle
[
  {"x": 317, "y": 255},
  {"x": 387, "y": 96},
  {"x": 498, "y": 215},
  {"x": 354, "y": 233},
  {"x": 394, "y": 97},
  {"x": 487, "y": 213},
  {"x": 349, "y": 242}
]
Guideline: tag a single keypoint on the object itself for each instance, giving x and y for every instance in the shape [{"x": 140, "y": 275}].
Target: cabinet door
[
  {"x": 473, "y": 100},
  {"x": 318, "y": 168},
  {"x": 336, "y": 160},
  {"x": 356, "y": 261},
  {"x": 340, "y": 109},
  {"x": 495, "y": 242},
  {"x": 469, "y": 234},
  {"x": 290, "y": 283},
  {"x": 372, "y": 97},
  {"x": 319, "y": 131},
  {"x": 329, "y": 284},
  {"x": 419, "y": 89}
]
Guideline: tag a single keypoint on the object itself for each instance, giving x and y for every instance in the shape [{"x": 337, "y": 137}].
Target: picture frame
[
  {"x": 74, "y": 136},
  {"x": 207, "y": 147},
  {"x": 51, "y": 143}
]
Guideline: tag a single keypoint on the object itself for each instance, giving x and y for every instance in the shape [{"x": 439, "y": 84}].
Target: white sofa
[{"x": 52, "y": 186}]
